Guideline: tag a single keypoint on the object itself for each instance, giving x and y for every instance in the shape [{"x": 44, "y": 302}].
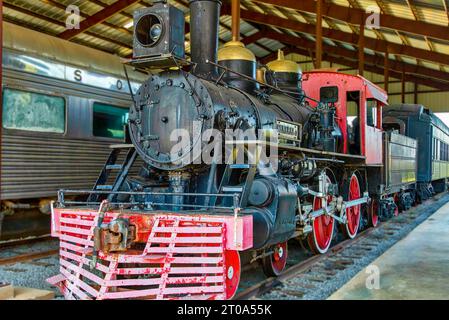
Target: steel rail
[
  {"x": 18, "y": 242},
  {"x": 28, "y": 256}
]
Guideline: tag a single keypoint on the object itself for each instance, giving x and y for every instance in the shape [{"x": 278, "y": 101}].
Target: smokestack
[
  {"x": 204, "y": 17},
  {"x": 235, "y": 56}
]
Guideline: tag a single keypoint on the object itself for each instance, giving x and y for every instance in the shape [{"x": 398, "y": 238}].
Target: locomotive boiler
[{"x": 234, "y": 167}]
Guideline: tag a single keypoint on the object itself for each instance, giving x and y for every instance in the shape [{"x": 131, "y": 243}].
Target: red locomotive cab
[{"x": 358, "y": 103}]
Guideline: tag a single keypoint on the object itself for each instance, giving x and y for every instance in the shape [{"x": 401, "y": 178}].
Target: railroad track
[
  {"x": 30, "y": 240},
  {"x": 26, "y": 256},
  {"x": 310, "y": 274}
]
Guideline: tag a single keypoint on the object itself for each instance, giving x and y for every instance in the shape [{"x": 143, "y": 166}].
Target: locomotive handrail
[
  {"x": 234, "y": 208},
  {"x": 142, "y": 193},
  {"x": 282, "y": 91}
]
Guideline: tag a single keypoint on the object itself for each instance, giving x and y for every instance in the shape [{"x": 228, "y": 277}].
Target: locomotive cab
[{"x": 358, "y": 110}]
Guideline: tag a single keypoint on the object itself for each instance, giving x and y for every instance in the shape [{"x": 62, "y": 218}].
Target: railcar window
[
  {"x": 444, "y": 152},
  {"x": 371, "y": 112},
  {"x": 434, "y": 153},
  {"x": 31, "y": 111},
  {"x": 109, "y": 121}
]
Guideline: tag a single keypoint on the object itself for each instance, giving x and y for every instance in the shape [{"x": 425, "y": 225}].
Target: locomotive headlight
[
  {"x": 149, "y": 30},
  {"x": 155, "y": 32}
]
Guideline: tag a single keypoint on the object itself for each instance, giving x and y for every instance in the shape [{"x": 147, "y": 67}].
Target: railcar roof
[
  {"x": 417, "y": 109},
  {"x": 372, "y": 90},
  {"x": 39, "y": 44}
]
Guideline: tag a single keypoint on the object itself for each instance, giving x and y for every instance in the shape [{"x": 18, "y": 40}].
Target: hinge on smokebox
[{"x": 116, "y": 236}]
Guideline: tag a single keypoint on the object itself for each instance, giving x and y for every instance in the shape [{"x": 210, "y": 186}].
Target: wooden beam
[
  {"x": 415, "y": 94},
  {"x": 63, "y": 7},
  {"x": 386, "y": 71},
  {"x": 361, "y": 48},
  {"x": 377, "y": 45},
  {"x": 419, "y": 92},
  {"x": 31, "y": 26},
  {"x": 97, "y": 18},
  {"x": 389, "y": 82},
  {"x": 446, "y": 8},
  {"x": 62, "y": 24},
  {"x": 415, "y": 15},
  {"x": 399, "y": 66},
  {"x": 403, "y": 87},
  {"x": 253, "y": 38},
  {"x": 371, "y": 68},
  {"x": 319, "y": 33},
  {"x": 356, "y": 16}
]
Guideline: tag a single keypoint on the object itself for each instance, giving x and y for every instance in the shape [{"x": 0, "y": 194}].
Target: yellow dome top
[
  {"x": 282, "y": 65},
  {"x": 235, "y": 50}
]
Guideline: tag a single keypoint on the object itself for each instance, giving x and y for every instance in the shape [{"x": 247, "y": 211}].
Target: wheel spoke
[
  {"x": 322, "y": 229},
  {"x": 353, "y": 213}
]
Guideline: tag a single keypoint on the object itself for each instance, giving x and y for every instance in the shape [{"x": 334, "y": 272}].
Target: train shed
[{"x": 357, "y": 91}]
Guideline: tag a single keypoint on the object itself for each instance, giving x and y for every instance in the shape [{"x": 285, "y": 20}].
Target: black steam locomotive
[
  {"x": 217, "y": 96},
  {"x": 289, "y": 166},
  {"x": 221, "y": 96}
]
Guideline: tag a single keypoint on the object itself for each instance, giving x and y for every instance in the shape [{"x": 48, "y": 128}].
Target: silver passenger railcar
[{"x": 63, "y": 105}]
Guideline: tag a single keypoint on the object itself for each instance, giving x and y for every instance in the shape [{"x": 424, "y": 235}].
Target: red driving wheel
[
  {"x": 232, "y": 264},
  {"x": 353, "y": 214},
  {"x": 275, "y": 263},
  {"x": 320, "y": 238},
  {"x": 373, "y": 213}
]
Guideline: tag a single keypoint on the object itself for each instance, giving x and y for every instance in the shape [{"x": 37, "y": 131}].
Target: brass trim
[
  {"x": 235, "y": 50},
  {"x": 283, "y": 65}
]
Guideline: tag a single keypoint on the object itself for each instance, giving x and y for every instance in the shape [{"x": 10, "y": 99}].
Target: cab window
[
  {"x": 32, "y": 111},
  {"x": 353, "y": 125},
  {"x": 109, "y": 120},
  {"x": 371, "y": 112}
]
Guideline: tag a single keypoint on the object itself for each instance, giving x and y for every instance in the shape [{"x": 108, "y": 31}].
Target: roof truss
[
  {"x": 357, "y": 16},
  {"x": 292, "y": 18},
  {"x": 97, "y": 18}
]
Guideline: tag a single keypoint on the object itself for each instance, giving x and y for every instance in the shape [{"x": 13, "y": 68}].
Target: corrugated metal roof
[{"x": 115, "y": 33}]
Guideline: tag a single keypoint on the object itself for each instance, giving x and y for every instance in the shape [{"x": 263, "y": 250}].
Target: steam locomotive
[{"x": 183, "y": 226}]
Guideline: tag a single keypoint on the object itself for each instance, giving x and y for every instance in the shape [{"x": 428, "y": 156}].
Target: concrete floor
[{"x": 417, "y": 267}]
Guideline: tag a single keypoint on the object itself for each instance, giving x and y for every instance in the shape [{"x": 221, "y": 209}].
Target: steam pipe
[{"x": 204, "y": 19}]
